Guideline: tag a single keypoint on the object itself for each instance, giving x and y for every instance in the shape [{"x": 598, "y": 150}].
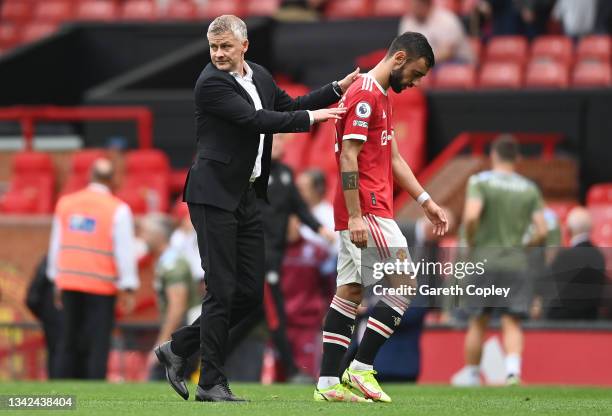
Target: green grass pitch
[{"x": 95, "y": 398}]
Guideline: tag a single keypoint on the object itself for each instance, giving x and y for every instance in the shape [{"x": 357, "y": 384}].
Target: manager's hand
[
  {"x": 325, "y": 114},
  {"x": 348, "y": 80}
]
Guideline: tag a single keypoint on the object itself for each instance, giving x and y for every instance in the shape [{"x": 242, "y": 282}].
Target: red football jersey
[{"x": 368, "y": 118}]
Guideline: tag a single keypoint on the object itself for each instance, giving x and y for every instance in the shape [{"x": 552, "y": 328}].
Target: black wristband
[{"x": 337, "y": 88}]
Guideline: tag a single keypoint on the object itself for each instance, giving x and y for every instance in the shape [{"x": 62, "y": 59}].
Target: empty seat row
[
  {"x": 507, "y": 75},
  {"x": 64, "y": 10},
  {"x": 145, "y": 185},
  {"x": 549, "y": 47}
]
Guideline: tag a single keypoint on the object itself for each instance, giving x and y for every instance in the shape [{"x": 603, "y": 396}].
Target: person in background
[
  {"x": 313, "y": 187},
  {"x": 577, "y": 17},
  {"x": 39, "y": 300},
  {"x": 284, "y": 200},
  {"x": 442, "y": 28},
  {"x": 578, "y": 273},
  {"x": 307, "y": 290},
  {"x": 174, "y": 284},
  {"x": 499, "y": 208},
  {"x": 91, "y": 261},
  {"x": 540, "y": 259},
  {"x": 300, "y": 10},
  {"x": 517, "y": 17}
]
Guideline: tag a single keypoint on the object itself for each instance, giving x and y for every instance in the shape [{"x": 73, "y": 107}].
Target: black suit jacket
[
  {"x": 579, "y": 278},
  {"x": 228, "y": 129}
]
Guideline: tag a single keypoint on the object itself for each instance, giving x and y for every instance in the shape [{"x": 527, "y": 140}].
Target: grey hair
[
  {"x": 158, "y": 223},
  {"x": 228, "y": 23}
]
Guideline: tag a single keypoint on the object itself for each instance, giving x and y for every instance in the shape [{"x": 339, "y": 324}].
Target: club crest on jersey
[
  {"x": 363, "y": 110},
  {"x": 397, "y": 320}
]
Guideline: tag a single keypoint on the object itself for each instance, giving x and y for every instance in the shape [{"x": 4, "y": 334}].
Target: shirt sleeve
[
  {"x": 538, "y": 202},
  {"x": 54, "y": 244},
  {"x": 360, "y": 109},
  {"x": 474, "y": 190},
  {"x": 177, "y": 273},
  {"x": 124, "y": 249}
]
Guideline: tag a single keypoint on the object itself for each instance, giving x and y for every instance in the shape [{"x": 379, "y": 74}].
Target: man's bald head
[
  {"x": 579, "y": 221},
  {"x": 102, "y": 171}
]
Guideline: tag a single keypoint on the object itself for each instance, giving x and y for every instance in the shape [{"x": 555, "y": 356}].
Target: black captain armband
[{"x": 350, "y": 181}]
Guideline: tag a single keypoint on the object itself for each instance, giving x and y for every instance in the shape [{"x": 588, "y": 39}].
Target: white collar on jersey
[{"x": 369, "y": 75}]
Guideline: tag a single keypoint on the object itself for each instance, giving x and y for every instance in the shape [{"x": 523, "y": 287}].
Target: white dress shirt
[
  {"x": 123, "y": 245},
  {"x": 247, "y": 83}
]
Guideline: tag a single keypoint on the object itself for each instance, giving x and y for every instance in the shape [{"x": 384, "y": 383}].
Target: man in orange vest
[{"x": 91, "y": 260}]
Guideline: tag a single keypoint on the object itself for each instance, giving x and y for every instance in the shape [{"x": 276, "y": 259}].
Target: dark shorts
[{"x": 517, "y": 302}]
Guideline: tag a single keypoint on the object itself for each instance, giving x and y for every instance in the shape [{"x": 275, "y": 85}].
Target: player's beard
[{"x": 395, "y": 80}]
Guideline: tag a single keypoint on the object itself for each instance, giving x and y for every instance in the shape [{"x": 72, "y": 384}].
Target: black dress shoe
[
  {"x": 175, "y": 368},
  {"x": 217, "y": 393}
]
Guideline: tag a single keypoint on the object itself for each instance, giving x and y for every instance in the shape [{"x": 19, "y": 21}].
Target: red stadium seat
[
  {"x": 80, "y": 166},
  {"x": 456, "y": 76},
  {"x": 262, "y": 7},
  {"x": 31, "y": 186},
  {"x": 177, "y": 180},
  {"x": 97, "y": 10},
  {"x": 15, "y": 10},
  {"x": 591, "y": 74},
  {"x": 410, "y": 125},
  {"x": 294, "y": 90},
  {"x": 146, "y": 183},
  {"x": 547, "y": 74},
  {"x": 600, "y": 194},
  {"x": 9, "y": 35},
  {"x": 297, "y": 151},
  {"x": 390, "y": 7},
  {"x": 552, "y": 47},
  {"x": 507, "y": 49},
  {"x": 595, "y": 47},
  {"x": 214, "y": 8},
  {"x": 54, "y": 11},
  {"x": 35, "y": 31},
  {"x": 561, "y": 208},
  {"x": 346, "y": 9},
  {"x": 601, "y": 215},
  {"x": 181, "y": 10},
  {"x": 322, "y": 155},
  {"x": 500, "y": 75},
  {"x": 139, "y": 10}
]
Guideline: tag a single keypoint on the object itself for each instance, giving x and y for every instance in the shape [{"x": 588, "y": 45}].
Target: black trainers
[
  {"x": 217, "y": 393},
  {"x": 175, "y": 368}
]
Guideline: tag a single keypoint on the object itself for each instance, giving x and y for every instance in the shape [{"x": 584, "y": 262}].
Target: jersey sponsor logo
[
  {"x": 360, "y": 123},
  {"x": 363, "y": 109},
  {"x": 82, "y": 224},
  {"x": 384, "y": 138}
]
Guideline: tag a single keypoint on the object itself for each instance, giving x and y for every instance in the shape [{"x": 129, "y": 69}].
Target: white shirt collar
[
  {"x": 579, "y": 238},
  {"x": 384, "y": 91},
  {"x": 248, "y": 73},
  {"x": 98, "y": 187}
]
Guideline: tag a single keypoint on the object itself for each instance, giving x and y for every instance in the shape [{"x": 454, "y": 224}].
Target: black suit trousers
[
  {"x": 231, "y": 246},
  {"x": 86, "y": 338}
]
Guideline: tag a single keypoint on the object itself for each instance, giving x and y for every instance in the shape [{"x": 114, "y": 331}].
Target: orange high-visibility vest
[{"x": 86, "y": 261}]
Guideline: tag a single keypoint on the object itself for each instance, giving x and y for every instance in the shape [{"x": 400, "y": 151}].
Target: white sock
[
  {"x": 473, "y": 370},
  {"x": 325, "y": 382},
  {"x": 513, "y": 364},
  {"x": 356, "y": 365}
]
